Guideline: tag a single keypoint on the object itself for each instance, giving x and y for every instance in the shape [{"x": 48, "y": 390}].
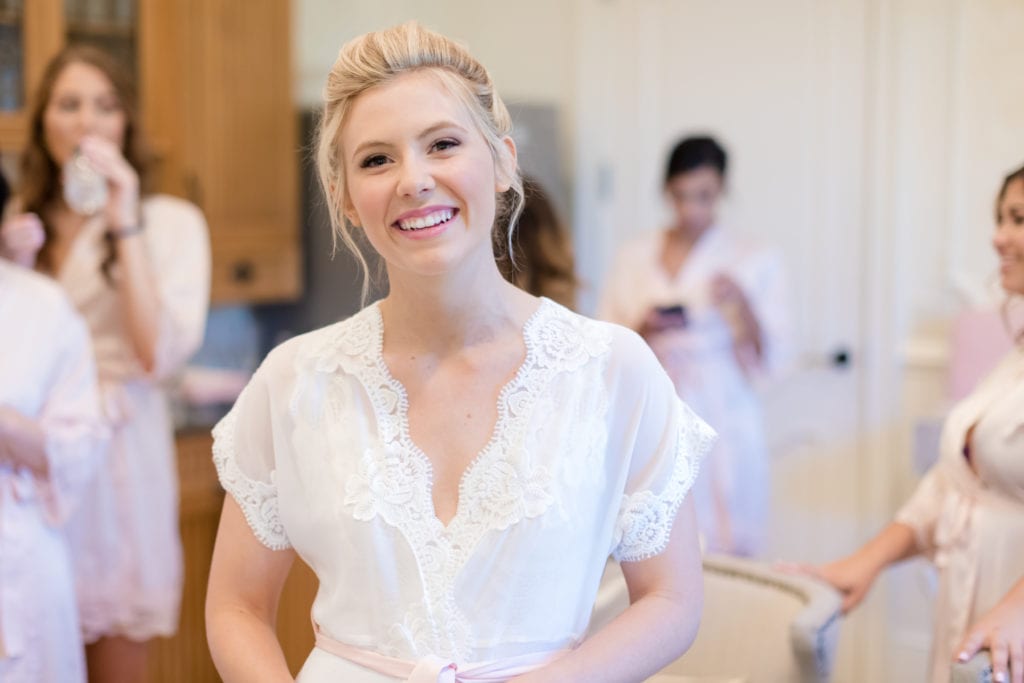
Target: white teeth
[{"x": 428, "y": 221}]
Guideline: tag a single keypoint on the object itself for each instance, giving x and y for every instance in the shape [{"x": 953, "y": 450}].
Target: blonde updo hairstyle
[{"x": 379, "y": 57}]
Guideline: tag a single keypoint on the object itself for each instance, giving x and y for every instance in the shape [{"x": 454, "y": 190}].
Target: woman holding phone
[{"x": 713, "y": 309}]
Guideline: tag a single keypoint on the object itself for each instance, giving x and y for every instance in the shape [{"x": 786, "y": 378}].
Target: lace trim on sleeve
[
  {"x": 645, "y": 518},
  {"x": 257, "y": 499}
]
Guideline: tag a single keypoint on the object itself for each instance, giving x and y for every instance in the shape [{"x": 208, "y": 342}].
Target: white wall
[{"x": 527, "y": 45}]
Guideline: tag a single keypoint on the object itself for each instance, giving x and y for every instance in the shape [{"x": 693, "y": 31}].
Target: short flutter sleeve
[
  {"x": 922, "y": 512},
  {"x": 179, "y": 248},
  {"x": 243, "y": 451},
  {"x": 670, "y": 443}
]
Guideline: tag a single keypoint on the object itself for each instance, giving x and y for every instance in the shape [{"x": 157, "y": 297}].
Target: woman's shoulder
[
  {"x": 326, "y": 349},
  {"x": 160, "y": 208},
  {"x": 642, "y": 246},
  {"x": 746, "y": 249},
  {"x": 1008, "y": 371},
  {"x": 621, "y": 345},
  {"x": 44, "y": 303},
  {"x": 45, "y": 295}
]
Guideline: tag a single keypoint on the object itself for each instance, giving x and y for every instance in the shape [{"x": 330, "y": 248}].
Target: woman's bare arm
[
  {"x": 246, "y": 579},
  {"x": 666, "y": 595}
]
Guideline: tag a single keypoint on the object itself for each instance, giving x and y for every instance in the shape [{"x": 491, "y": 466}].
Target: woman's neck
[
  {"x": 445, "y": 313},
  {"x": 687, "y": 236}
]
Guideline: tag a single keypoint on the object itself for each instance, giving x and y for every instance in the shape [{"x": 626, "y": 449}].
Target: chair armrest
[
  {"x": 977, "y": 670},
  {"x": 814, "y": 633}
]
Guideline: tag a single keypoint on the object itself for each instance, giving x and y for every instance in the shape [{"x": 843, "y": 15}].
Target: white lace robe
[
  {"x": 592, "y": 454},
  {"x": 46, "y": 374}
]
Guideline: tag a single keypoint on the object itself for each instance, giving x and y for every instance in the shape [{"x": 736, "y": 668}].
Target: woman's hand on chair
[
  {"x": 1001, "y": 632},
  {"x": 852, "y": 576}
]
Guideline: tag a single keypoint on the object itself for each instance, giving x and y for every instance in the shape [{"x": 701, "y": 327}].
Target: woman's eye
[
  {"x": 373, "y": 161},
  {"x": 109, "y": 106},
  {"x": 67, "y": 105},
  {"x": 446, "y": 144}
]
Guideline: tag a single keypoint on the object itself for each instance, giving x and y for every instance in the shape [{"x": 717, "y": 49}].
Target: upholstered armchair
[
  {"x": 977, "y": 670},
  {"x": 760, "y": 625}
]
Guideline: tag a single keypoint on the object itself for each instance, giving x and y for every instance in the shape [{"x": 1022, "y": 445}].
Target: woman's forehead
[
  {"x": 404, "y": 106},
  {"x": 82, "y": 75}
]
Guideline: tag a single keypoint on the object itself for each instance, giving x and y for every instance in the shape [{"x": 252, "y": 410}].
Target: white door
[{"x": 782, "y": 84}]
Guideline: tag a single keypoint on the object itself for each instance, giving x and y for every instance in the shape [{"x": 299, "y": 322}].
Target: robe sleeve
[
  {"x": 669, "y": 442},
  {"x": 243, "y": 452},
  {"x": 179, "y": 248}
]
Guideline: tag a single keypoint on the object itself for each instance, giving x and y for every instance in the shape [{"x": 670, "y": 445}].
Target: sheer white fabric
[
  {"x": 46, "y": 374},
  {"x": 732, "y": 492},
  {"x": 971, "y": 521},
  {"x": 592, "y": 454},
  {"x": 125, "y": 542}
]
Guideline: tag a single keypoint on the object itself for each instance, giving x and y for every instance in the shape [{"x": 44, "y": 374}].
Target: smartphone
[{"x": 675, "y": 313}]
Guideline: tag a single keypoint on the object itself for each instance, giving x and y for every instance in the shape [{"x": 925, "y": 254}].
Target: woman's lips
[{"x": 425, "y": 217}]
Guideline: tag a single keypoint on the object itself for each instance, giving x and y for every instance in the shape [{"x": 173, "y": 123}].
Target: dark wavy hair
[
  {"x": 542, "y": 263},
  {"x": 691, "y": 153},
  {"x": 1013, "y": 177},
  {"x": 39, "y": 186}
]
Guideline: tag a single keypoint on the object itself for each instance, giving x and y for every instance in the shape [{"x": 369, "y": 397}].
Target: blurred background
[{"x": 867, "y": 140}]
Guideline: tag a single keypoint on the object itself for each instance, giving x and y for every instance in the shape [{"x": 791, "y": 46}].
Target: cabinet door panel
[
  {"x": 254, "y": 264},
  {"x": 241, "y": 139},
  {"x": 39, "y": 27}
]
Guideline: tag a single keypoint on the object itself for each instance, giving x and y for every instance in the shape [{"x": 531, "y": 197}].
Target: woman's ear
[
  {"x": 505, "y": 166},
  {"x": 347, "y": 209}
]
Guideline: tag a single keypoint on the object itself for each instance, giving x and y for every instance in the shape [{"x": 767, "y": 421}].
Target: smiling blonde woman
[{"x": 456, "y": 461}]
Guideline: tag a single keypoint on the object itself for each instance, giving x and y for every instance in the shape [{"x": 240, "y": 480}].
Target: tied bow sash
[{"x": 432, "y": 669}]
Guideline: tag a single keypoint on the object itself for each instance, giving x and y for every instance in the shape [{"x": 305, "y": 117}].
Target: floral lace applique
[
  {"x": 645, "y": 518},
  {"x": 389, "y": 484}
]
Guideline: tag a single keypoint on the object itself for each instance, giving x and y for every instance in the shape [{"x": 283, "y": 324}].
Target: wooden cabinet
[
  {"x": 186, "y": 657},
  {"x": 216, "y": 99},
  {"x": 33, "y": 31},
  {"x": 216, "y": 77}
]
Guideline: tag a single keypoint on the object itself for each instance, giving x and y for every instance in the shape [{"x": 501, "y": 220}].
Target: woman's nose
[
  {"x": 88, "y": 117},
  {"x": 1001, "y": 236},
  {"x": 416, "y": 179}
]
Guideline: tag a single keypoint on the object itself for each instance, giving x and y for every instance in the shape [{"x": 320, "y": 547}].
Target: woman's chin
[{"x": 1014, "y": 286}]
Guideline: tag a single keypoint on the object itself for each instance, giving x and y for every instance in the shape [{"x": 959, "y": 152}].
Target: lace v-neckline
[{"x": 498, "y": 428}]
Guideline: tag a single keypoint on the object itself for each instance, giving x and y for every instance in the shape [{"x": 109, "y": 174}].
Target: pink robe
[
  {"x": 971, "y": 521},
  {"x": 46, "y": 374},
  {"x": 125, "y": 542},
  {"x": 732, "y": 492}
]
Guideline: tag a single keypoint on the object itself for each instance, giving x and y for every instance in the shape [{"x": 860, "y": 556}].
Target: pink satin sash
[{"x": 435, "y": 669}]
